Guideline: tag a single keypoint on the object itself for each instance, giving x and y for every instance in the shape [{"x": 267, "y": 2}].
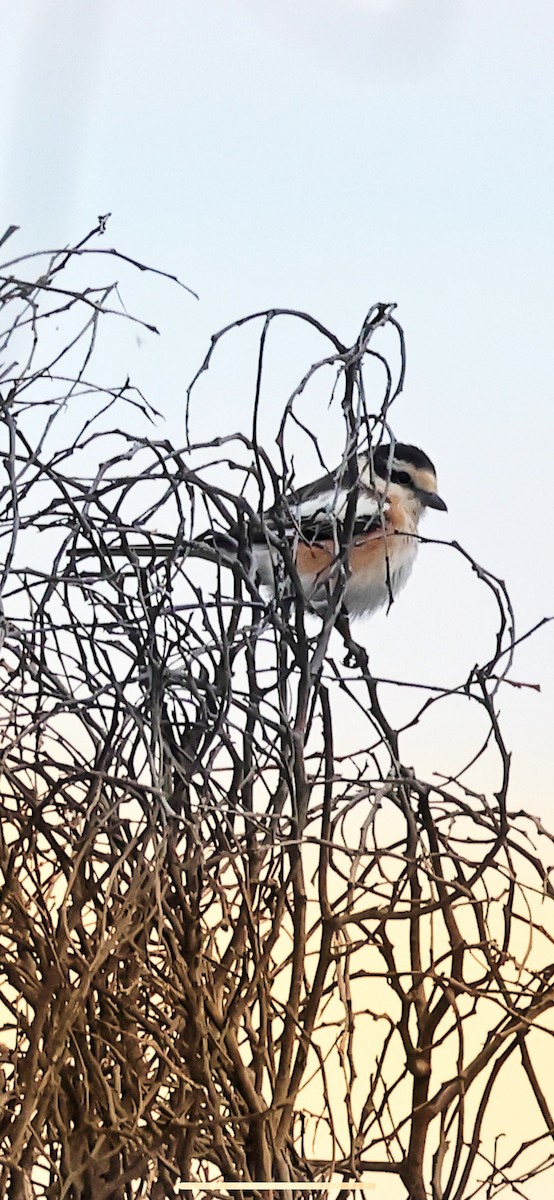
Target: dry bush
[{"x": 231, "y": 951}]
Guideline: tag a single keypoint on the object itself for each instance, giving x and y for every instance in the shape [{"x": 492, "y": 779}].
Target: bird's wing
[{"x": 316, "y": 511}]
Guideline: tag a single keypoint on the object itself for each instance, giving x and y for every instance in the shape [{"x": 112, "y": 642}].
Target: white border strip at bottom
[{"x": 346, "y": 1185}]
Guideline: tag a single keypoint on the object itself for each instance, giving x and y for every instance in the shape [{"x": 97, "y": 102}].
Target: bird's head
[{"x": 407, "y": 468}]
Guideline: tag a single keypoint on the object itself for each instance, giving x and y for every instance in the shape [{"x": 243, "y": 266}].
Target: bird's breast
[{"x": 378, "y": 567}]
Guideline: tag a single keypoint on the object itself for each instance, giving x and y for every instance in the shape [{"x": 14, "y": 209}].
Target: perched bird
[
  {"x": 366, "y": 530},
  {"x": 395, "y": 485}
]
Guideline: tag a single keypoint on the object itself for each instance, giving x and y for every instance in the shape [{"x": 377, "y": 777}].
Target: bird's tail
[{"x": 224, "y": 549}]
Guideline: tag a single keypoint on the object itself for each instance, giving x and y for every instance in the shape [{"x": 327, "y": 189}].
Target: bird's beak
[{"x": 431, "y": 500}]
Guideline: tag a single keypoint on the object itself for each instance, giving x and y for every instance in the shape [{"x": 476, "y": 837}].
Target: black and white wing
[
  {"x": 316, "y": 511},
  {"x": 311, "y": 515}
]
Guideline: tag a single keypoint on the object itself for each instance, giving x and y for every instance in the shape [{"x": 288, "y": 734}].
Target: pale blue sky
[{"x": 325, "y": 155}]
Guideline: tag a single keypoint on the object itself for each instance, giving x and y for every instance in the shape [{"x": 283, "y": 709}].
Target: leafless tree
[{"x": 233, "y": 950}]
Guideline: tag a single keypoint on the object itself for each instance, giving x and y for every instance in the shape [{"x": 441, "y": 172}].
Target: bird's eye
[{"x": 403, "y": 477}]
